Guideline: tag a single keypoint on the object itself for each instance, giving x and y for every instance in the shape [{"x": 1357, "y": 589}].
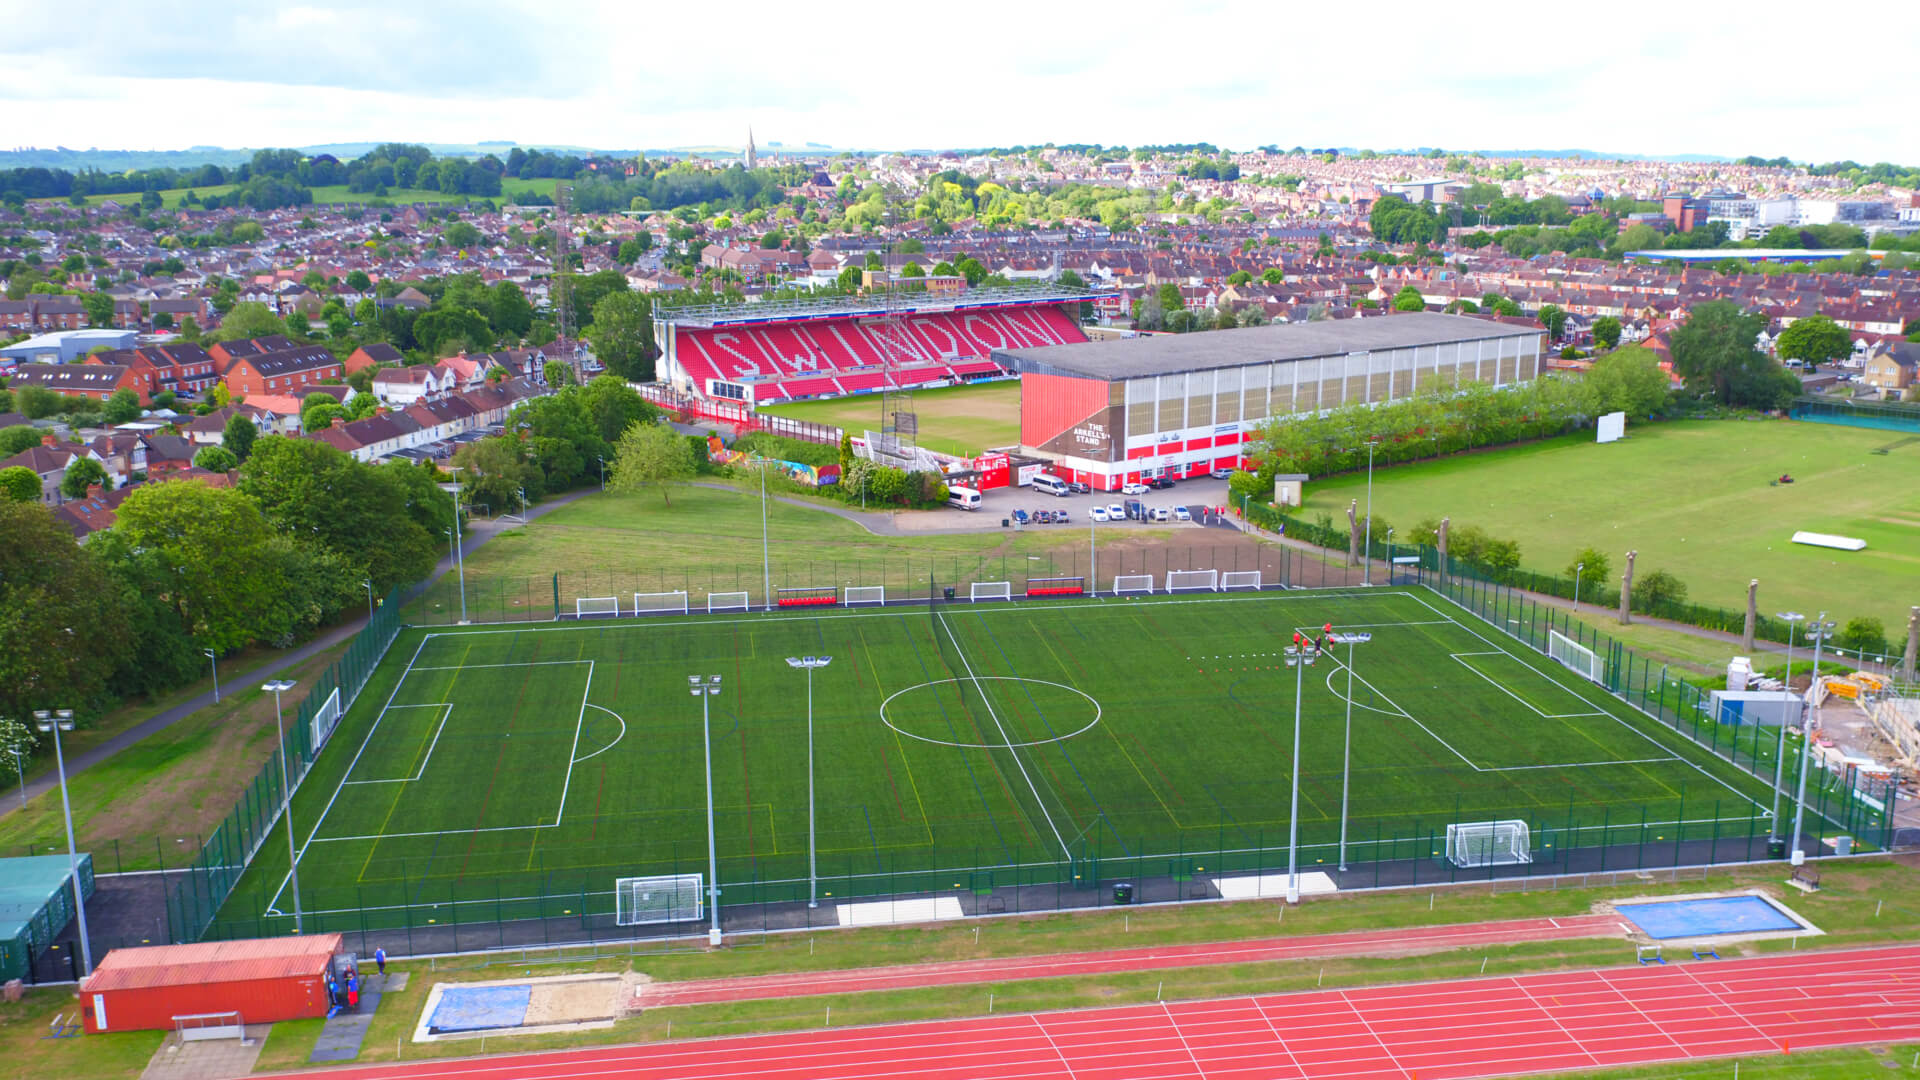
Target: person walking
[
  {"x": 353, "y": 989},
  {"x": 380, "y": 960}
]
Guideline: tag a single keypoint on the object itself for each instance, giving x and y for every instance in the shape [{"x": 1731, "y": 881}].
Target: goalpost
[
  {"x": 588, "y": 607},
  {"x": 726, "y": 601},
  {"x": 1489, "y": 843},
  {"x": 1193, "y": 580},
  {"x": 991, "y": 590},
  {"x": 660, "y": 603},
  {"x": 863, "y": 594},
  {"x": 325, "y": 718},
  {"x": 1132, "y": 583},
  {"x": 1576, "y": 657},
  {"x": 647, "y": 901},
  {"x": 1240, "y": 579}
]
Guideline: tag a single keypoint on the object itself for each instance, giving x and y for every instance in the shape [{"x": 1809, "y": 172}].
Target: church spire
[{"x": 752, "y": 157}]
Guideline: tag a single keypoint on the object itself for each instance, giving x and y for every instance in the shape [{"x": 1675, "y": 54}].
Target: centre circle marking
[{"x": 994, "y": 745}]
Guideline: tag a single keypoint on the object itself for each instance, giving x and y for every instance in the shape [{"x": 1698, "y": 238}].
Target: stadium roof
[
  {"x": 1172, "y": 354},
  {"x": 871, "y": 306}
]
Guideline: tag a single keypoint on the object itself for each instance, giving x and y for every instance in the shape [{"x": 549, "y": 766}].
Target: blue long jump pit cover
[
  {"x": 479, "y": 1008},
  {"x": 1707, "y": 918}
]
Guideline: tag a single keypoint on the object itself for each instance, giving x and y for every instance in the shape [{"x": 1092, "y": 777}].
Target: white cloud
[{"x": 1240, "y": 74}]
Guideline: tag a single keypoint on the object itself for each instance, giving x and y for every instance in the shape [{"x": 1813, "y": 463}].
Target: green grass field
[
  {"x": 506, "y": 766},
  {"x": 955, "y": 420},
  {"x": 1692, "y": 497}
]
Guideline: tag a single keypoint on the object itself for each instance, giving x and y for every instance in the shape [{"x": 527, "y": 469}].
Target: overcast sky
[{"x": 124, "y": 75}]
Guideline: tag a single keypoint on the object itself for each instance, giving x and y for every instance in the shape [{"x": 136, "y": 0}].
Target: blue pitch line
[
  {"x": 879, "y": 866},
  {"x": 913, "y": 640},
  {"x": 432, "y": 854},
  {"x": 1064, "y": 752}
]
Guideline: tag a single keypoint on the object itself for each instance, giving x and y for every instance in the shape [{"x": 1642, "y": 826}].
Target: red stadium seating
[{"x": 855, "y": 382}]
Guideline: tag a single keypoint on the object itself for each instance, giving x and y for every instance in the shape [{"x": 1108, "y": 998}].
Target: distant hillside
[
  {"x": 1578, "y": 155},
  {"x": 116, "y": 161}
]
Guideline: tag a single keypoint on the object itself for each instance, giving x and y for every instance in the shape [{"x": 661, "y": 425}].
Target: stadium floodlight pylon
[
  {"x": 809, "y": 664},
  {"x": 1350, "y": 640},
  {"x": 1300, "y": 655}
]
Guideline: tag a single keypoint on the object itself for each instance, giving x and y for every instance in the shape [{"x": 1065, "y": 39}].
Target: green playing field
[{"x": 486, "y": 765}]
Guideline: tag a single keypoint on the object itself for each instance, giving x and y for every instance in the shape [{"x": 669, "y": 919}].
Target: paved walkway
[{"x": 343, "y": 1033}]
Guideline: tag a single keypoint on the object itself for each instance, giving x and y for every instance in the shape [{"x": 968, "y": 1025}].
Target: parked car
[
  {"x": 1134, "y": 509},
  {"x": 1020, "y": 516},
  {"x": 1043, "y": 517},
  {"x": 1160, "y": 483},
  {"x": 1098, "y": 513},
  {"x": 1221, "y": 474},
  {"x": 1134, "y": 489},
  {"x": 1161, "y": 513},
  {"x": 1060, "y": 517},
  {"x": 1181, "y": 513},
  {"x": 1116, "y": 512},
  {"x": 1078, "y": 488}
]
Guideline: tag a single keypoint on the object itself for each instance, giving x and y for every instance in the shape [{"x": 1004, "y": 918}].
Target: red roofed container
[{"x": 263, "y": 979}]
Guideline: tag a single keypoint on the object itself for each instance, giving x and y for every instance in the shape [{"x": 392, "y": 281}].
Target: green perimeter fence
[{"x": 198, "y": 891}]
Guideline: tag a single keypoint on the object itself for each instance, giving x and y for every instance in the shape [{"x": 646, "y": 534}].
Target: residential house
[
  {"x": 1893, "y": 368},
  {"x": 49, "y": 461},
  {"x": 406, "y": 385},
  {"x": 97, "y": 381},
  {"x": 294, "y": 370},
  {"x": 378, "y": 352},
  {"x": 225, "y": 353},
  {"x": 211, "y": 429},
  {"x": 178, "y": 366}
]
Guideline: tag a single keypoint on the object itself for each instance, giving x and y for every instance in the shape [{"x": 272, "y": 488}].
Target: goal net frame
[
  {"x": 1132, "y": 583},
  {"x": 580, "y": 610},
  {"x": 1576, "y": 657},
  {"x": 325, "y": 719},
  {"x": 1057, "y": 586},
  {"x": 1193, "y": 581},
  {"x": 660, "y": 603},
  {"x": 728, "y": 601},
  {"x": 1473, "y": 844},
  {"x": 864, "y": 594},
  {"x": 661, "y": 898},
  {"x": 202, "y": 1027},
  {"x": 990, "y": 590},
  {"x": 1241, "y": 579}
]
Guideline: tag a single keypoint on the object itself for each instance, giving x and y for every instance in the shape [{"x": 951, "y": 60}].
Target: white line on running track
[
  {"x": 1277, "y": 1037},
  {"x": 1182, "y": 1036},
  {"x": 1571, "y": 1037},
  {"x": 1048, "y": 1035},
  {"x": 1365, "y": 1023},
  {"x": 1635, "y": 1006}
]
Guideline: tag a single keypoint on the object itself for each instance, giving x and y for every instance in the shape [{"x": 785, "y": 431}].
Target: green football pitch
[{"x": 965, "y": 742}]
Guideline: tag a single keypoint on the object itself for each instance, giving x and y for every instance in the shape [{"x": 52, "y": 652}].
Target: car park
[
  {"x": 1135, "y": 510},
  {"x": 1134, "y": 489},
  {"x": 1078, "y": 488},
  {"x": 1181, "y": 513},
  {"x": 1098, "y": 513},
  {"x": 1161, "y": 513},
  {"x": 1116, "y": 512}
]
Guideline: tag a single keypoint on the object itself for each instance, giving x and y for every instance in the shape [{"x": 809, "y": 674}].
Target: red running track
[
  {"x": 1429, "y": 1031},
  {"x": 1006, "y": 969}
]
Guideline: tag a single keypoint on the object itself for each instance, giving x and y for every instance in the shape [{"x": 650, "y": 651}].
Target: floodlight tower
[
  {"x": 705, "y": 689},
  {"x": 1780, "y": 752},
  {"x": 1819, "y": 630},
  {"x": 813, "y": 866},
  {"x": 1346, "y": 756},
  {"x": 1300, "y": 656}
]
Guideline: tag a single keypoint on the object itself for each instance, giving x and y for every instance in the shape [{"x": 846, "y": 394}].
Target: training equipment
[
  {"x": 811, "y": 596},
  {"x": 1489, "y": 843},
  {"x": 727, "y": 601},
  {"x": 1612, "y": 427},
  {"x": 1577, "y": 657},
  {"x": 588, "y": 607},
  {"x": 864, "y": 594},
  {"x": 991, "y": 590},
  {"x": 660, "y": 603},
  {"x": 647, "y": 901},
  {"x": 1132, "y": 583},
  {"x": 1056, "y": 586},
  {"x": 1193, "y": 581},
  {"x": 1650, "y": 954},
  {"x": 1239, "y": 579},
  {"x": 325, "y": 718}
]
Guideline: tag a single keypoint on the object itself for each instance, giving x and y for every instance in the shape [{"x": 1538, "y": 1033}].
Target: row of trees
[{"x": 551, "y": 444}]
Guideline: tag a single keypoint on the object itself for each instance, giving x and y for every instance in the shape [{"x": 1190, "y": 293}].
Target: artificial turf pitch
[{"x": 1151, "y": 734}]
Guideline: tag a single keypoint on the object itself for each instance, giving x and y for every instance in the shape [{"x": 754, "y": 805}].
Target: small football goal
[
  {"x": 1240, "y": 579},
  {"x": 991, "y": 590},
  {"x": 1132, "y": 583},
  {"x": 1489, "y": 843},
  {"x": 660, "y": 603},
  {"x": 667, "y": 898},
  {"x": 596, "y": 607},
  {"x": 863, "y": 594},
  {"x": 726, "y": 601},
  {"x": 325, "y": 718},
  {"x": 1576, "y": 657},
  {"x": 1193, "y": 581}
]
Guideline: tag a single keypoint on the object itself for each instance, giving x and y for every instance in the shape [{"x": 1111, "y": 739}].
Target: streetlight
[
  {"x": 1818, "y": 631},
  {"x": 813, "y": 869},
  {"x": 1346, "y": 756},
  {"x": 213, "y": 658},
  {"x": 766, "y": 551},
  {"x": 459, "y": 550},
  {"x": 54, "y": 723},
  {"x": 704, "y": 691},
  {"x": 275, "y": 686},
  {"x": 1579, "y": 568},
  {"x": 1780, "y": 752},
  {"x": 369, "y": 584},
  {"x": 603, "y": 472},
  {"x": 1300, "y": 656}
]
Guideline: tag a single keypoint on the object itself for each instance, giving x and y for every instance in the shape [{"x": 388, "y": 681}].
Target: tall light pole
[
  {"x": 1579, "y": 568},
  {"x": 213, "y": 658},
  {"x": 369, "y": 584},
  {"x": 1780, "y": 752},
  {"x": 1818, "y": 631},
  {"x": 275, "y": 687},
  {"x": 55, "y": 722},
  {"x": 603, "y": 473},
  {"x": 813, "y": 868},
  {"x": 1366, "y": 574},
  {"x": 1346, "y": 756},
  {"x": 459, "y": 551},
  {"x": 705, "y": 690},
  {"x": 1300, "y": 656},
  {"x": 766, "y": 552}
]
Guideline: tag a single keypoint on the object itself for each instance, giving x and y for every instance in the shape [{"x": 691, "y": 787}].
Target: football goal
[
  {"x": 863, "y": 594},
  {"x": 592, "y": 607},
  {"x": 660, "y": 603},
  {"x": 1489, "y": 843},
  {"x": 726, "y": 601},
  {"x": 1132, "y": 583},
  {"x": 1193, "y": 581},
  {"x": 325, "y": 718},
  {"x": 1240, "y": 579},
  {"x": 991, "y": 590},
  {"x": 645, "y": 901},
  {"x": 1576, "y": 657}
]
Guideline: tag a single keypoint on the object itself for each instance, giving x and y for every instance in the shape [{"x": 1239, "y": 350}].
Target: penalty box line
[{"x": 1537, "y": 711}]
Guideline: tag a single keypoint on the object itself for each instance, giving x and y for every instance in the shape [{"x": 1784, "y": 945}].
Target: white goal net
[
  {"x": 1240, "y": 579},
  {"x": 863, "y": 594},
  {"x": 1489, "y": 843},
  {"x": 991, "y": 590},
  {"x": 660, "y": 603},
  {"x": 644, "y": 901},
  {"x": 1577, "y": 657},
  {"x": 726, "y": 601},
  {"x": 1193, "y": 581},
  {"x": 325, "y": 719},
  {"x": 587, "y": 607},
  {"x": 1132, "y": 583}
]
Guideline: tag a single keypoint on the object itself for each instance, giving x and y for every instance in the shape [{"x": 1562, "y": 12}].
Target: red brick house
[
  {"x": 282, "y": 371},
  {"x": 378, "y": 352},
  {"x": 224, "y": 353},
  {"x": 90, "y": 380},
  {"x": 58, "y": 312},
  {"x": 179, "y": 367}
]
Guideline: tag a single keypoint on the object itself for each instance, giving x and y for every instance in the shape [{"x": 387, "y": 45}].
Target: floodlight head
[
  {"x": 796, "y": 662},
  {"x": 1362, "y": 638},
  {"x": 696, "y": 691},
  {"x": 275, "y": 686},
  {"x": 693, "y": 680},
  {"x": 1790, "y": 616}
]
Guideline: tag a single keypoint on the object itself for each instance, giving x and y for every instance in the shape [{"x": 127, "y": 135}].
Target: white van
[
  {"x": 1047, "y": 484},
  {"x": 963, "y": 498}
]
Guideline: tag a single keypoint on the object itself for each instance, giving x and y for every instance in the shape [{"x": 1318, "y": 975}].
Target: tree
[
  {"x": 460, "y": 234},
  {"x": 496, "y": 472},
  {"x": 1554, "y": 319},
  {"x": 311, "y": 404},
  {"x": 17, "y": 438},
  {"x": 189, "y": 330},
  {"x": 37, "y": 403},
  {"x": 1657, "y": 588},
  {"x": 123, "y": 406},
  {"x": 213, "y": 546},
  {"x": 19, "y": 484},
  {"x": 249, "y": 320},
  {"x": 217, "y": 459},
  {"x": 362, "y": 513},
  {"x": 1628, "y": 380},
  {"x": 1606, "y": 332},
  {"x": 558, "y": 373},
  {"x": 239, "y": 435},
  {"x": 1862, "y": 634},
  {"x": 82, "y": 473},
  {"x": 60, "y": 616},
  {"x": 622, "y": 335},
  {"x": 613, "y": 406},
  {"x": 1590, "y": 568},
  {"x": 510, "y": 312},
  {"x": 651, "y": 454},
  {"x": 1715, "y": 352},
  {"x": 1239, "y": 277},
  {"x": 1814, "y": 340},
  {"x": 1409, "y": 299},
  {"x": 16, "y": 745},
  {"x": 99, "y": 308}
]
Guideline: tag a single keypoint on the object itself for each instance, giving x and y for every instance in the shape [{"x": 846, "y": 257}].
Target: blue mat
[
  {"x": 1705, "y": 918},
  {"x": 478, "y": 1008}
]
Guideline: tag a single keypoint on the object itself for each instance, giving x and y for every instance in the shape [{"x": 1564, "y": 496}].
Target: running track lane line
[
  {"x": 1469, "y": 1028},
  {"x": 959, "y": 972}
]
